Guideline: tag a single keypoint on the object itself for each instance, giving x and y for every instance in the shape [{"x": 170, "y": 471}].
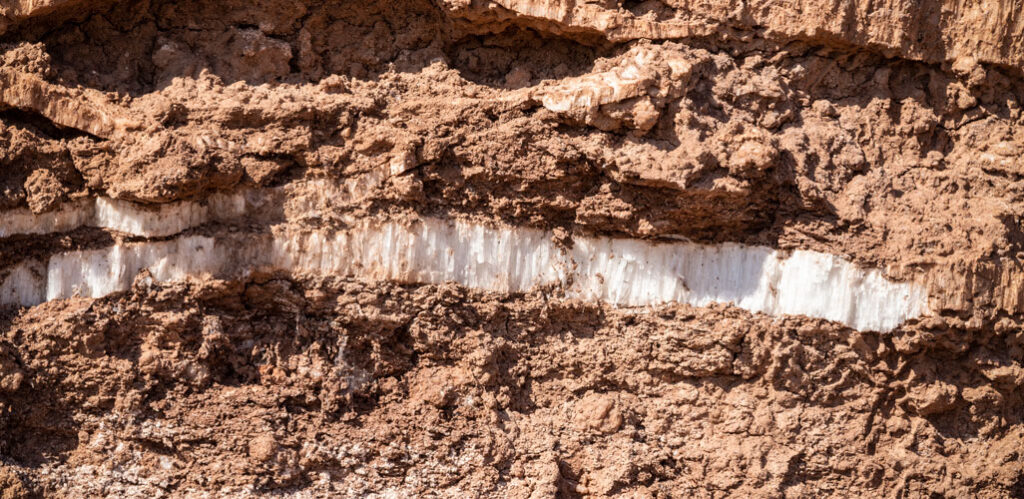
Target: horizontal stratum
[{"x": 624, "y": 272}]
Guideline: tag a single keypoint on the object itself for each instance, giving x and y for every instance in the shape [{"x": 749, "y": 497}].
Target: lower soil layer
[{"x": 338, "y": 387}]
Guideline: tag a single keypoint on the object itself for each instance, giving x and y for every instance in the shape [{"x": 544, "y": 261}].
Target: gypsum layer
[{"x": 622, "y": 272}]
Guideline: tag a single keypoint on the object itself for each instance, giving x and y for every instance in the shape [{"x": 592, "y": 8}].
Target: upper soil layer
[
  {"x": 990, "y": 31},
  {"x": 887, "y": 137}
]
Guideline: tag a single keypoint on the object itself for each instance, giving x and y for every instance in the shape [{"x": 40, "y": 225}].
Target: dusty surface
[
  {"x": 336, "y": 387},
  {"x": 891, "y": 135}
]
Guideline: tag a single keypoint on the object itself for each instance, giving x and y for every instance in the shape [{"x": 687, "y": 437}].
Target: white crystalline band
[
  {"x": 122, "y": 216},
  {"x": 617, "y": 271}
]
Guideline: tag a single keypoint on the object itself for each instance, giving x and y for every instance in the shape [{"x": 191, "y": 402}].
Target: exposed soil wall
[{"x": 886, "y": 140}]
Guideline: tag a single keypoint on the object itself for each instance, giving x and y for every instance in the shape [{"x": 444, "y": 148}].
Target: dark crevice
[{"x": 520, "y": 57}]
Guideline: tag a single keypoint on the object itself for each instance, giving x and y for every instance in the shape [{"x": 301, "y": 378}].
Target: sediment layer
[
  {"x": 511, "y": 248},
  {"x": 505, "y": 260}
]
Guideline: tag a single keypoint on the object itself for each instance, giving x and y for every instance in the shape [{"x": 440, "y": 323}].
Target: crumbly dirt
[
  {"x": 335, "y": 387},
  {"x": 893, "y": 137}
]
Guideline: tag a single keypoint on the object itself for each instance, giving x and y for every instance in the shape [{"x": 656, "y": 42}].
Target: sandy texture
[
  {"x": 335, "y": 387},
  {"x": 887, "y": 135}
]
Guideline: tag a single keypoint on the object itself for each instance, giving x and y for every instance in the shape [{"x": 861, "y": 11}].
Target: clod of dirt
[{"x": 11, "y": 486}]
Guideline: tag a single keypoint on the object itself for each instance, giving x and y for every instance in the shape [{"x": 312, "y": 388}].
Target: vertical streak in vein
[{"x": 621, "y": 272}]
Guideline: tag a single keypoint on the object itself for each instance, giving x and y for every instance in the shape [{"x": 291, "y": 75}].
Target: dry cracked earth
[{"x": 512, "y": 248}]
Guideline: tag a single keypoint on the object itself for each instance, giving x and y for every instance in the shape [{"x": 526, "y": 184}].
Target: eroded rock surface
[{"x": 511, "y": 248}]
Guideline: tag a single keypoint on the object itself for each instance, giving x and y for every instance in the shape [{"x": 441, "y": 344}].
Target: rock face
[
  {"x": 934, "y": 31},
  {"x": 511, "y": 248}
]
